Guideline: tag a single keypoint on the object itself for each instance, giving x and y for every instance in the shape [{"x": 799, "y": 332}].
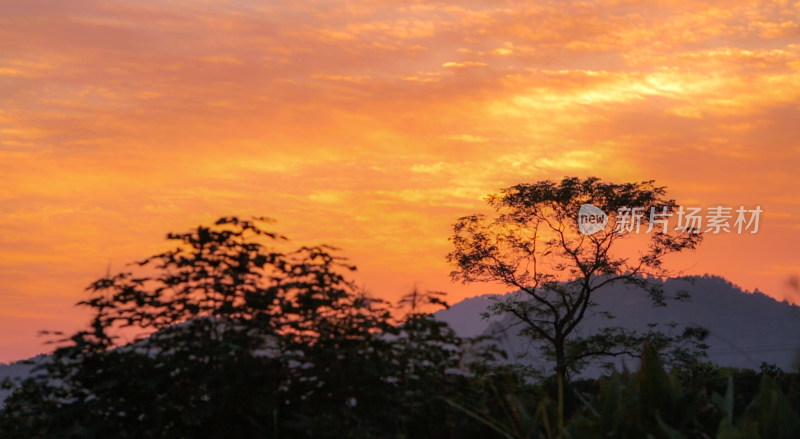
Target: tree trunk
[{"x": 561, "y": 373}]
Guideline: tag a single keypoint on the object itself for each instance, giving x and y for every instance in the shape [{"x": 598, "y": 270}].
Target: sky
[{"x": 373, "y": 126}]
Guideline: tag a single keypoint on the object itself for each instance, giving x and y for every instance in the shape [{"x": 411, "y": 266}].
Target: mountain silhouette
[{"x": 745, "y": 328}]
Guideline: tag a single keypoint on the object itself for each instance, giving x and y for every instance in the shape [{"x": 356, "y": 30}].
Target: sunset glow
[{"x": 373, "y": 125}]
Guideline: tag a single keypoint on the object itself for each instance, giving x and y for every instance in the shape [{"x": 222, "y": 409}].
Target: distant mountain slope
[
  {"x": 465, "y": 316},
  {"x": 745, "y": 328},
  {"x": 18, "y": 370}
]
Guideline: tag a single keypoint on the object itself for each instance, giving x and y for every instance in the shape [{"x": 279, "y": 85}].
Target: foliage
[
  {"x": 234, "y": 338},
  {"x": 533, "y": 244},
  {"x": 228, "y": 336},
  {"x": 652, "y": 403}
]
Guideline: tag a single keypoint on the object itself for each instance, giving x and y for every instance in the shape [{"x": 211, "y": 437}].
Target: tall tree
[
  {"x": 535, "y": 244},
  {"x": 228, "y": 335}
]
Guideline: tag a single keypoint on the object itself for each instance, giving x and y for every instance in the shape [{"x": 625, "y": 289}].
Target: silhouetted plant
[
  {"x": 232, "y": 337},
  {"x": 649, "y": 403},
  {"x": 227, "y": 336},
  {"x": 534, "y": 245}
]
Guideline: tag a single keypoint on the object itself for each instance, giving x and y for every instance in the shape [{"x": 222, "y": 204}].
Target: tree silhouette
[
  {"x": 232, "y": 337},
  {"x": 534, "y": 244}
]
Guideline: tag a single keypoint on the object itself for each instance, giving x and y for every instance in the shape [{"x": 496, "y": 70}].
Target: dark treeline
[{"x": 237, "y": 337}]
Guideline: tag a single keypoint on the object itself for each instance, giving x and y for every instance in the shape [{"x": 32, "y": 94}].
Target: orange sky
[{"x": 373, "y": 125}]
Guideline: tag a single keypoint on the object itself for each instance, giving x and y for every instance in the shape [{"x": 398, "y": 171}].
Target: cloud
[
  {"x": 459, "y": 65},
  {"x": 373, "y": 125}
]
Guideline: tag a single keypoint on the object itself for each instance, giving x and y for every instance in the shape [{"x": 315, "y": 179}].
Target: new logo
[{"x": 591, "y": 219}]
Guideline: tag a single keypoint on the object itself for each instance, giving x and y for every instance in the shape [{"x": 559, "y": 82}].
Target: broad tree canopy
[{"x": 537, "y": 244}]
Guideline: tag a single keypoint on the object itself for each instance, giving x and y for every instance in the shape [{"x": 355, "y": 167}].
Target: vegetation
[
  {"x": 231, "y": 335},
  {"x": 233, "y": 338},
  {"x": 535, "y": 245},
  {"x": 652, "y": 403}
]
